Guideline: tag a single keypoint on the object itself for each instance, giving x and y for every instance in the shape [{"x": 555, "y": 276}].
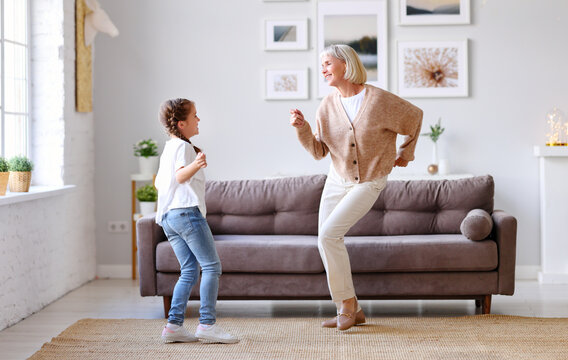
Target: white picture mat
[
  {"x": 273, "y": 76},
  {"x": 377, "y": 8},
  {"x": 427, "y": 19},
  {"x": 301, "y": 42},
  {"x": 462, "y": 88}
]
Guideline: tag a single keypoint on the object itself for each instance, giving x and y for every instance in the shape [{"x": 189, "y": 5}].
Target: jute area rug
[{"x": 469, "y": 337}]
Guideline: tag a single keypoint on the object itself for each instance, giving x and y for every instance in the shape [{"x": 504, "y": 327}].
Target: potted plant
[
  {"x": 147, "y": 153},
  {"x": 147, "y": 195},
  {"x": 20, "y": 168},
  {"x": 4, "y": 175},
  {"x": 434, "y": 134}
]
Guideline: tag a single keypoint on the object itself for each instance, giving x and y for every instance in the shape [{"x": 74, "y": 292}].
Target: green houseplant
[
  {"x": 20, "y": 168},
  {"x": 147, "y": 153},
  {"x": 4, "y": 176},
  {"x": 147, "y": 195},
  {"x": 434, "y": 134}
]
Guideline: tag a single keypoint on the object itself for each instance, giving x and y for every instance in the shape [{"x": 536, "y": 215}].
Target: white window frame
[{"x": 27, "y": 113}]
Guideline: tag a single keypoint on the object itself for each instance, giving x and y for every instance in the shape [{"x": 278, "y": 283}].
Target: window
[{"x": 14, "y": 78}]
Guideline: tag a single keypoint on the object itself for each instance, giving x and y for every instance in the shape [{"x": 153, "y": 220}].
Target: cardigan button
[
  {"x": 354, "y": 161},
  {"x": 356, "y": 178},
  {"x": 350, "y": 128},
  {"x": 352, "y": 145}
]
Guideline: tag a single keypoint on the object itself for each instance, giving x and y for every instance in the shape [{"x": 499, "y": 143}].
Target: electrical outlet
[{"x": 117, "y": 226}]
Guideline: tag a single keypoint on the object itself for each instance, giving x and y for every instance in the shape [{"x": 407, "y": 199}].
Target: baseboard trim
[
  {"x": 527, "y": 272},
  {"x": 114, "y": 271},
  {"x": 552, "y": 278}
]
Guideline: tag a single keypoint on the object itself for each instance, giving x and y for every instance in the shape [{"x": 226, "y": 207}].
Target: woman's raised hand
[
  {"x": 296, "y": 118},
  {"x": 200, "y": 160}
]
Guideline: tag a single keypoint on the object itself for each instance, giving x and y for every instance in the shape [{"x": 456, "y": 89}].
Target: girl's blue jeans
[{"x": 192, "y": 241}]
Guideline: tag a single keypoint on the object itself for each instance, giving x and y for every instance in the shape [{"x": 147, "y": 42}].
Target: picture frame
[
  {"x": 433, "y": 68},
  {"x": 286, "y": 34},
  {"x": 286, "y": 84},
  {"x": 439, "y": 12},
  {"x": 363, "y": 26}
]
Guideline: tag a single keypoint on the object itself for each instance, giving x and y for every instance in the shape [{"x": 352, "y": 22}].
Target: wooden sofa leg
[
  {"x": 486, "y": 305},
  {"x": 167, "y": 305}
]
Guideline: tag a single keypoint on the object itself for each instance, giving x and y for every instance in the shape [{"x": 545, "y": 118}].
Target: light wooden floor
[{"x": 121, "y": 299}]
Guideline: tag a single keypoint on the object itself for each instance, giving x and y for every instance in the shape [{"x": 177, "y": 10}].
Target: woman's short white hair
[{"x": 355, "y": 71}]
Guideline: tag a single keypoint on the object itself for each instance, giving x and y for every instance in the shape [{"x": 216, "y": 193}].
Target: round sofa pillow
[{"x": 477, "y": 225}]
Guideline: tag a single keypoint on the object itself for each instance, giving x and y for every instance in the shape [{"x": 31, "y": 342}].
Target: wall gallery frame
[
  {"x": 432, "y": 69},
  {"x": 363, "y": 26},
  {"x": 286, "y": 84},
  {"x": 286, "y": 34},
  {"x": 438, "y": 12}
]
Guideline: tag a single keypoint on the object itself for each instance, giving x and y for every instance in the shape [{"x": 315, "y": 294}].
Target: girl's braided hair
[{"x": 172, "y": 111}]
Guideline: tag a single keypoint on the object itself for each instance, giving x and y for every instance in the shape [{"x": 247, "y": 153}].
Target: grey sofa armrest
[
  {"x": 148, "y": 235},
  {"x": 505, "y": 234}
]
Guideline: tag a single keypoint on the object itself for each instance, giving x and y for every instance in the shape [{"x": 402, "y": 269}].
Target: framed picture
[
  {"x": 286, "y": 84},
  {"x": 361, "y": 25},
  {"x": 432, "y": 69},
  {"x": 434, "y": 12},
  {"x": 286, "y": 34}
]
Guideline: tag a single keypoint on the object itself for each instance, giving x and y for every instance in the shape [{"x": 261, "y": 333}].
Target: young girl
[{"x": 181, "y": 213}]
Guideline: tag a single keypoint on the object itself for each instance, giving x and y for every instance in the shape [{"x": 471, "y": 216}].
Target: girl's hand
[
  {"x": 400, "y": 162},
  {"x": 200, "y": 160},
  {"x": 297, "y": 118}
]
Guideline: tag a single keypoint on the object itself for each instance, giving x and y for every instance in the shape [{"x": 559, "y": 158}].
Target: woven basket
[
  {"x": 20, "y": 181},
  {"x": 4, "y": 176}
]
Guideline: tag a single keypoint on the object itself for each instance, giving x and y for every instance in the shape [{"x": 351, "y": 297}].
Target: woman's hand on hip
[
  {"x": 297, "y": 118},
  {"x": 400, "y": 162}
]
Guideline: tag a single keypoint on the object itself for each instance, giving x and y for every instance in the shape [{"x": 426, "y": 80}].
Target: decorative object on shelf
[
  {"x": 147, "y": 195},
  {"x": 286, "y": 84},
  {"x": 4, "y": 176},
  {"x": 557, "y": 125},
  {"x": 147, "y": 153},
  {"x": 20, "y": 173},
  {"x": 361, "y": 25},
  {"x": 427, "y": 12},
  {"x": 434, "y": 135},
  {"x": 286, "y": 34},
  {"x": 432, "y": 69}
]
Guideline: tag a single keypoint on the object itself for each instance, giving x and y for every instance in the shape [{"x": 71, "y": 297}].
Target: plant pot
[
  {"x": 20, "y": 181},
  {"x": 147, "y": 207},
  {"x": 148, "y": 165},
  {"x": 4, "y": 176}
]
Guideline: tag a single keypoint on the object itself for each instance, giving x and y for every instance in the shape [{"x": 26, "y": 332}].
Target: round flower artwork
[{"x": 430, "y": 67}]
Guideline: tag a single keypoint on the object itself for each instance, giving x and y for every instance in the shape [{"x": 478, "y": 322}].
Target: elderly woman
[{"x": 358, "y": 126}]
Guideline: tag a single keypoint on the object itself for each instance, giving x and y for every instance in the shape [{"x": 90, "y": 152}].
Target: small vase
[
  {"x": 148, "y": 165},
  {"x": 147, "y": 207},
  {"x": 4, "y": 176},
  {"x": 20, "y": 181},
  {"x": 435, "y": 154}
]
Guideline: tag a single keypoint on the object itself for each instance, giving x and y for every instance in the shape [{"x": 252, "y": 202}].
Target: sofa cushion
[
  {"x": 477, "y": 225},
  {"x": 299, "y": 254},
  {"x": 286, "y": 206},
  {"x": 256, "y": 254},
  {"x": 418, "y": 253},
  {"x": 425, "y": 206}
]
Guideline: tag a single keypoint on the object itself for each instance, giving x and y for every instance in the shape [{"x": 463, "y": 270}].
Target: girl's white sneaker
[
  {"x": 214, "y": 333},
  {"x": 179, "y": 335}
]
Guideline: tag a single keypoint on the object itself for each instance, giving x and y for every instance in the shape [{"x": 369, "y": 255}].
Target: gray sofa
[{"x": 409, "y": 246}]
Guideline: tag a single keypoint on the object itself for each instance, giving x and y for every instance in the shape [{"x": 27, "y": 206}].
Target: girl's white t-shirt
[
  {"x": 352, "y": 104},
  {"x": 172, "y": 195}
]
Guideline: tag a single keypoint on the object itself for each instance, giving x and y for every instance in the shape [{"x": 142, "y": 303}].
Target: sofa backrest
[
  {"x": 286, "y": 206},
  {"x": 426, "y": 206},
  {"x": 289, "y": 206}
]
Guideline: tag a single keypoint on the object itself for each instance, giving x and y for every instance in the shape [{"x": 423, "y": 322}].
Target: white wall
[
  {"x": 48, "y": 245},
  {"x": 212, "y": 52}
]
